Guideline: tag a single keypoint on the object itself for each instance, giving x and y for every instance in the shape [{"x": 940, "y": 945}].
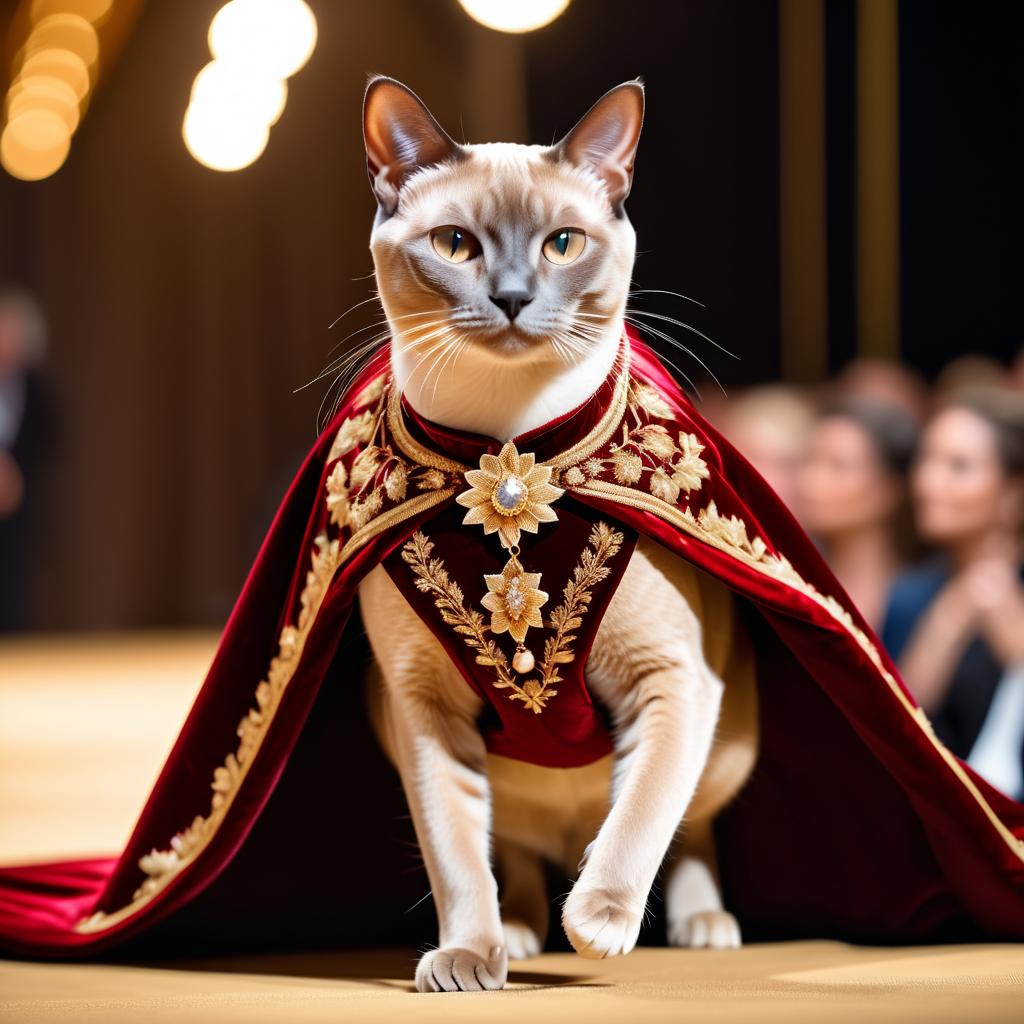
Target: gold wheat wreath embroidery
[{"x": 432, "y": 578}]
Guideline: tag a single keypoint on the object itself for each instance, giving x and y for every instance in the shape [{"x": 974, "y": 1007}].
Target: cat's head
[{"x": 517, "y": 254}]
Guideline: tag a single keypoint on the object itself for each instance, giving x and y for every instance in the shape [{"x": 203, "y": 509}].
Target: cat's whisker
[
  {"x": 665, "y": 291},
  {"x": 372, "y": 298},
  {"x": 678, "y": 344},
  {"x": 673, "y": 320},
  {"x": 460, "y": 345}
]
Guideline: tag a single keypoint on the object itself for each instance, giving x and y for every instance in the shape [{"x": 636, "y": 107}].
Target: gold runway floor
[{"x": 85, "y": 724}]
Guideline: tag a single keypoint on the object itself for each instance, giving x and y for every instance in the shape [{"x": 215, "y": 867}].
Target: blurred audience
[
  {"x": 24, "y": 428},
  {"x": 770, "y": 426},
  {"x": 852, "y": 496},
  {"x": 916, "y": 499},
  {"x": 956, "y": 623},
  {"x": 887, "y": 382}
]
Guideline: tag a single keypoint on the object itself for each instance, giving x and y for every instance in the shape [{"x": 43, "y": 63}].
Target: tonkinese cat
[{"x": 503, "y": 271}]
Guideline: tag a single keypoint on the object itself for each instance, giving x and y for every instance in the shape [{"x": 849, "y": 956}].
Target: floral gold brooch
[{"x": 508, "y": 494}]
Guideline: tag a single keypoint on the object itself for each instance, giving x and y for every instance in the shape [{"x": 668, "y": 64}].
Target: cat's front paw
[
  {"x": 600, "y": 923},
  {"x": 707, "y": 929},
  {"x": 520, "y": 939},
  {"x": 461, "y": 970}
]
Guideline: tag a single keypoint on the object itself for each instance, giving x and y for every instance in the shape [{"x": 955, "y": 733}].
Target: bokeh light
[
  {"x": 34, "y": 144},
  {"x": 221, "y": 142},
  {"x": 239, "y": 92},
  {"x": 514, "y": 15},
  {"x": 63, "y": 31},
  {"x": 256, "y": 45},
  {"x": 273, "y": 37},
  {"x": 95, "y": 11}
]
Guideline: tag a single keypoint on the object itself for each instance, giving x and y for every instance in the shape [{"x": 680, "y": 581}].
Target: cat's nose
[{"x": 511, "y": 302}]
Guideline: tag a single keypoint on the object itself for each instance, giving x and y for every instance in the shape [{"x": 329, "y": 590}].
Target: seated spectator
[
  {"x": 956, "y": 625},
  {"x": 853, "y": 496}
]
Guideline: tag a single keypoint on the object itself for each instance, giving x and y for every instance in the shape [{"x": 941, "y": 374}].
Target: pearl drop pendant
[{"x": 523, "y": 661}]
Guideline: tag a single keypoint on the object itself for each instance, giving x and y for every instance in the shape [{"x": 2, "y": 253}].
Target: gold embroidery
[
  {"x": 352, "y": 431},
  {"x": 648, "y": 448},
  {"x": 604, "y": 544},
  {"x": 160, "y": 866},
  {"x": 432, "y": 578},
  {"x": 337, "y": 495}
]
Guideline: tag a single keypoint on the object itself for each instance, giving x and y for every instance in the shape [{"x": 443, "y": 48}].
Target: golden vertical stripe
[
  {"x": 878, "y": 185},
  {"x": 803, "y": 248}
]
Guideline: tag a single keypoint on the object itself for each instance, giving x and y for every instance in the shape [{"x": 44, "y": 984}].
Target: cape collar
[{"x": 559, "y": 442}]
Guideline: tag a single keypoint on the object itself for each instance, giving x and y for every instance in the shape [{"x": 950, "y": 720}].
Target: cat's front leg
[
  {"x": 662, "y": 745},
  {"x": 426, "y": 719},
  {"x": 441, "y": 764}
]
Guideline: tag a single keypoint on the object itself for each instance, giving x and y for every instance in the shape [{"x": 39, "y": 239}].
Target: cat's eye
[
  {"x": 564, "y": 246},
  {"x": 454, "y": 244}
]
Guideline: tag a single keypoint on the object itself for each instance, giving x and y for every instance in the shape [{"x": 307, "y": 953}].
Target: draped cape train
[{"x": 276, "y": 818}]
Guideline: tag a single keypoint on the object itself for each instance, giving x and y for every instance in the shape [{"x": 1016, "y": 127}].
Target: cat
[{"x": 503, "y": 271}]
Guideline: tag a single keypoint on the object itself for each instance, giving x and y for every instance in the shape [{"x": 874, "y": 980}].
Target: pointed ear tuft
[
  {"x": 606, "y": 138},
  {"x": 401, "y": 136}
]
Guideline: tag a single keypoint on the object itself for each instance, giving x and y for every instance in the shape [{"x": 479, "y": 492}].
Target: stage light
[
  {"x": 95, "y": 11},
  {"x": 63, "y": 32},
  {"x": 34, "y": 144},
  {"x": 276, "y": 37},
  {"x": 44, "y": 92},
  {"x": 239, "y": 92},
  {"x": 222, "y": 143},
  {"x": 514, "y": 15}
]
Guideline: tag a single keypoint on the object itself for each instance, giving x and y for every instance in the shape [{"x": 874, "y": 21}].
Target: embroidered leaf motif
[
  {"x": 663, "y": 486},
  {"x": 691, "y": 468},
  {"x": 650, "y": 401},
  {"x": 627, "y": 466},
  {"x": 397, "y": 479},
  {"x": 352, "y": 431},
  {"x": 337, "y": 495}
]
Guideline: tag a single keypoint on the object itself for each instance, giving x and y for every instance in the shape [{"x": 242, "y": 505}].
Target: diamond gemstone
[
  {"x": 509, "y": 494},
  {"x": 515, "y": 600}
]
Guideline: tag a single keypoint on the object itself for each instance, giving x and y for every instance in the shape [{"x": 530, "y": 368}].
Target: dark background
[{"x": 186, "y": 305}]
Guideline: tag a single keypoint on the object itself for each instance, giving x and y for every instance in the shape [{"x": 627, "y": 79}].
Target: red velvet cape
[{"x": 856, "y": 822}]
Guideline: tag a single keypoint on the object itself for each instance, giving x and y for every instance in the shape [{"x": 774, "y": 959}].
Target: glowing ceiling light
[
  {"x": 276, "y": 37},
  {"x": 64, "y": 32},
  {"x": 220, "y": 142},
  {"x": 239, "y": 92},
  {"x": 44, "y": 92},
  {"x": 95, "y": 11},
  {"x": 34, "y": 144},
  {"x": 514, "y": 15},
  {"x": 58, "y": 63}
]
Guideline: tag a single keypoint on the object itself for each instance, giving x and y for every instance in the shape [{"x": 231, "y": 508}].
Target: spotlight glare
[
  {"x": 222, "y": 143},
  {"x": 514, "y": 15},
  {"x": 239, "y": 92},
  {"x": 275, "y": 37}
]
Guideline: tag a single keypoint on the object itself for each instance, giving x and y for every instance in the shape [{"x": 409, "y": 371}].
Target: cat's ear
[
  {"x": 401, "y": 136},
  {"x": 606, "y": 137}
]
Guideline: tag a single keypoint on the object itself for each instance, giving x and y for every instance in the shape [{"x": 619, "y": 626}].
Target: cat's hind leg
[
  {"x": 693, "y": 902},
  {"x": 524, "y": 904}
]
